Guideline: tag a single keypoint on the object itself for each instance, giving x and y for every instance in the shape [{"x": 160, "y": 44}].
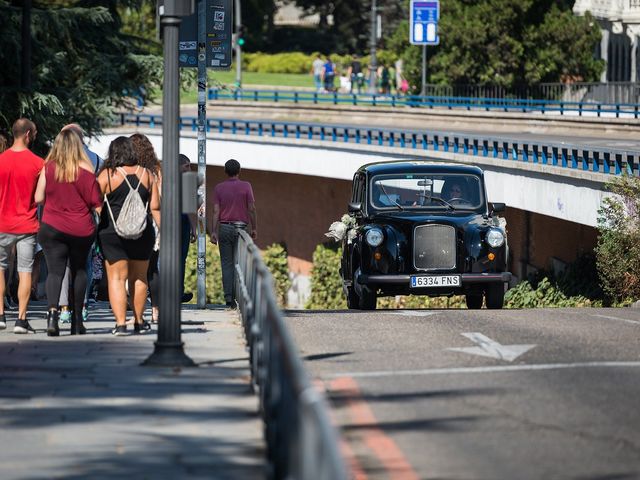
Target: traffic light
[{"x": 241, "y": 35}]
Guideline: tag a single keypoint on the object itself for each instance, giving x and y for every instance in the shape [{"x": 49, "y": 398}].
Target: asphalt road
[{"x": 562, "y": 402}]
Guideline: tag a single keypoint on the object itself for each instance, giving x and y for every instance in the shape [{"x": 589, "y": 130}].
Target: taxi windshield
[{"x": 427, "y": 191}]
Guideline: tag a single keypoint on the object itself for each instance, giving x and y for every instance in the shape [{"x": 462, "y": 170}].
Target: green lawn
[{"x": 249, "y": 79}]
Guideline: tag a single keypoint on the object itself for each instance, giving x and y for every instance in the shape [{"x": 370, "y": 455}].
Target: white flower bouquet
[{"x": 345, "y": 227}]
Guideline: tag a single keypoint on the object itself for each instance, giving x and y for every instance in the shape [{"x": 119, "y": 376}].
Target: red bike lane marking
[
  {"x": 355, "y": 469},
  {"x": 380, "y": 444}
]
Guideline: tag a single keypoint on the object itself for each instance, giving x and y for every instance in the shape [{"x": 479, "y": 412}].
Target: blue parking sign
[{"x": 424, "y": 22}]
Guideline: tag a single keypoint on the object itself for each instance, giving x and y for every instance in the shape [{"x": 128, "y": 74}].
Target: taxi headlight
[
  {"x": 374, "y": 237},
  {"x": 495, "y": 238}
]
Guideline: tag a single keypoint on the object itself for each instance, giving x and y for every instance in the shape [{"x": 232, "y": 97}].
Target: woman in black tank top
[{"x": 126, "y": 260}]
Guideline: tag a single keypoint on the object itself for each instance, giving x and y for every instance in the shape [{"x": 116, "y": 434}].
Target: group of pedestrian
[
  {"x": 389, "y": 78},
  {"x": 71, "y": 204}
]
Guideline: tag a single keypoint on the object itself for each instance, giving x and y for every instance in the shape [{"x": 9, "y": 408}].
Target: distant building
[
  {"x": 287, "y": 14},
  {"x": 620, "y": 25}
]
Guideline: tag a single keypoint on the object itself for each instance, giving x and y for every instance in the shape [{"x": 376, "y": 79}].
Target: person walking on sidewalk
[
  {"x": 70, "y": 193},
  {"x": 356, "y": 77},
  {"x": 148, "y": 159},
  {"x": 126, "y": 259},
  {"x": 67, "y": 289},
  {"x": 19, "y": 171},
  {"x": 187, "y": 232},
  {"x": 316, "y": 70},
  {"x": 234, "y": 209}
]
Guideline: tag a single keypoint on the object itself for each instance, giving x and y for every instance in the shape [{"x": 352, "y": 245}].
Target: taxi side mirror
[
  {"x": 497, "y": 207},
  {"x": 355, "y": 207}
]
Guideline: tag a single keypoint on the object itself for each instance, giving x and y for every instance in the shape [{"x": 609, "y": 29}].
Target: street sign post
[
  {"x": 205, "y": 42},
  {"x": 218, "y": 32},
  {"x": 423, "y": 23},
  {"x": 169, "y": 348}
]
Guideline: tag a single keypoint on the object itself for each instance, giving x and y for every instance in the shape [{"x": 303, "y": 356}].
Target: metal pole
[
  {"x": 169, "y": 349},
  {"x": 201, "y": 263},
  {"x": 238, "y": 46},
  {"x": 423, "y": 90},
  {"x": 25, "y": 77},
  {"x": 373, "y": 63}
]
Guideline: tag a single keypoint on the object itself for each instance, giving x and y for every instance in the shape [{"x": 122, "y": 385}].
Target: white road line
[
  {"x": 495, "y": 369},
  {"x": 412, "y": 313},
  {"x": 609, "y": 317}
]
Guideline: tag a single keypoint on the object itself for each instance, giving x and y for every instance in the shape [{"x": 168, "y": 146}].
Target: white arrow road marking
[{"x": 490, "y": 348}]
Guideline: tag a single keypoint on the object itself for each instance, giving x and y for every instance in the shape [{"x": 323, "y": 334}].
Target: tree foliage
[
  {"x": 618, "y": 249},
  {"x": 505, "y": 43},
  {"x": 82, "y": 66}
]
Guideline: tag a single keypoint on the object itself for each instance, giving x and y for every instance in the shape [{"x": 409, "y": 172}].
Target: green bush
[
  {"x": 293, "y": 62},
  {"x": 546, "y": 294},
  {"x": 297, "y": 62},
  {"x": 213, "y": 287},
  {"x": 326, "y": 284},
  {"x": 618, "y": 249},
  {"x": 275, "y": 258}
]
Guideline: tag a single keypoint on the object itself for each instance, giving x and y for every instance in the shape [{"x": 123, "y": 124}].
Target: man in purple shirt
[{"x": 234, "y": 209}]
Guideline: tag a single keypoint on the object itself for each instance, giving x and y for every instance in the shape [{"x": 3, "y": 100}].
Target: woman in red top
[{"x": 70, "y": 193}]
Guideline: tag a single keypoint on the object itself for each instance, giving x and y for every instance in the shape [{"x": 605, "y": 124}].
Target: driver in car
[{"x": 456, "y": 191}]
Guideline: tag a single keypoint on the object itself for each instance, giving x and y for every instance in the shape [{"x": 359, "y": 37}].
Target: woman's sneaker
[
  {"x": 22, "y": 326},
  {"x": 142, "y": 328},
  {"x": 120, "y": 331},
  {"x": 65, "y": 315},
  {"x": 3, "y": 322}
]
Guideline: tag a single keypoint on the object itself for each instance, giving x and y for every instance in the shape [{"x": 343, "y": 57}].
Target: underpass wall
[
  {"x": 294, "y": 210},
  {"x": 543, "y": 242}
]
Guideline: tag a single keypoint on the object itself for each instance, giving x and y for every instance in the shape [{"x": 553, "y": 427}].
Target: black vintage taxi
[{"x": 423, "y": 228}]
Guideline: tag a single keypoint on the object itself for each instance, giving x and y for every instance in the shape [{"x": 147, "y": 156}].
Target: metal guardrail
[
  {"x": 609, "y": 92},
  {"x": 631, "y": 110},
  {"x": 301, "y": 441},
  {"x": 575, "y": 157}
]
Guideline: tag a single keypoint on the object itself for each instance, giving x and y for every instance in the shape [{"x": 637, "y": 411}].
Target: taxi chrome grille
[{"x": 434, "y": 247}]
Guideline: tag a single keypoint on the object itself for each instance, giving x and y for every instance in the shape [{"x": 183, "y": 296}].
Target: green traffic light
[{"x": 241, "y": 41}]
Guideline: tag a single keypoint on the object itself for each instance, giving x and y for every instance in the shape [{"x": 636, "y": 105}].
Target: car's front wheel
[
  {"x": 474, "y": 301},
  {"x": 495, "y": 296},
  {"x": 368, "y": 299},
  {"x": 353, "y": 301}
]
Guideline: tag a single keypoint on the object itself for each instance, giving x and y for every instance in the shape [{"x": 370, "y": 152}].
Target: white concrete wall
[{"x": 558, "y": 192}]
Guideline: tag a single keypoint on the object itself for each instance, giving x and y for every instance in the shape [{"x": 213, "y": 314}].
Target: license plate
[{"x": 423, "y": 281}]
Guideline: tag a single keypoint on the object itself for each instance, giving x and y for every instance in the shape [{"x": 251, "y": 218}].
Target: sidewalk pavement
[{"x": 82, "y": 407}]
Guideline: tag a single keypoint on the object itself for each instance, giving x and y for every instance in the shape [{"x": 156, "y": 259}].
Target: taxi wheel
[
  {"x": 369, "y": 299},
  {"x": 353, "y": 301},
  {"x": 495, "y": 296},
  {"x": 474, "y": 301}
]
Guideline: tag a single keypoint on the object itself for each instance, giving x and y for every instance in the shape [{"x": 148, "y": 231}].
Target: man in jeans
[
  {"x": 234, "y": 209},
  {"x": 19, "y": 172}
]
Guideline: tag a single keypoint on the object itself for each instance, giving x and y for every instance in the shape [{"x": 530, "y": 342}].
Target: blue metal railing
[
  {"x": 630, "y": 110},
  {"x": 576, "y": 157}
]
